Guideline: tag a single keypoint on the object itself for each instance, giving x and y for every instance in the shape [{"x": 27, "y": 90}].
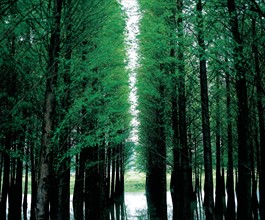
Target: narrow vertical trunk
[
  {"x": 230, "y": 213},
  {"x": 254, "y": 199},
  {"x": 92, "y": 181},
  {"x": 25, "y": 198},
  {"x": 15, "y": 213},
  {"x": 218, "y": 189},
  {"x": 156, "y": 174},
  {"x": 208, "y": 187},
  {"x": 260, "y": 107},
  {"x": 244, "y": 171},
  {"x": 103, "y": 209},
  {"x": 186, "y": 190},
  {"x": 108, "y": 172},
  {"x": 33, "y": 182},
  {"x": 62, "y": 202},
  {"x": 78, "y": 197},
  {"x": 112, "y": 191},
  {"x": 42, "y": 205},
  {"x": 6, "y": 173},
  {"x": 1, "y": 167},
  {"x": 176, "y": 183}
]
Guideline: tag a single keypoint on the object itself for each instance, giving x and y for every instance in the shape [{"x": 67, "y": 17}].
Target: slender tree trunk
[
  {"x": 1, "y": 167},
  {"x": 113, "y": 169},
  {"x": 62, "y": 204},
  {"x": 78, "y": 197},
  {"x": 92, "y": 181},
  {"x": 176, "y": 183},
  {"x": 103, "y": 209},
  {"x": 230, "y": 213},
  {"x": 5, "y": 186},
  {"x": 254, "y": 199},
  {"x": 156, "y": 174},
  {"x": 33, "y": 182},
  {"x": 108, "y": 172},
  {"x": 260, "y": 107},
  {"x": 218, "y": 190},
  {"x": 208, "y": 187},
  {"x": 16, "y": 201},
  {"x": 42, "y": 205},
  {"x": 244, "y": 171},
  {"x": 25, "y": 199},
  {"x": 186, "y": 190}
]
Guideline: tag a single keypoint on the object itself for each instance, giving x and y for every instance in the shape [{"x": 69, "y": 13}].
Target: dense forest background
[{"x": 66, "y": 114}]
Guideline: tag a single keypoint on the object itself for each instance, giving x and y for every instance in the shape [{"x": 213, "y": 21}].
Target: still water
[{"x": 135, "y": 206}]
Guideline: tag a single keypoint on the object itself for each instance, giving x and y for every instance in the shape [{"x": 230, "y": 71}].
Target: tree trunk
[
  {"x": 42, "y": 205},
  {"x": 62, "y": 201},
  {"x": 92, "y": 181},
  {"x": 260, "y": 107},
  {"x": 156, "y": 174},
  {"x": 176, "y": 183},
  {"x": 208, "y": 186},
  {"x": 33, "y": 182},
  {"x": 186, "y": 190},
  {"x": 230, "y": 213},
  {"x": 218, "y": 190},
  {"x": 25, "y": 199},
  {"x": 78, "y": 197},
  {"x": 15, "y": 198},
  {"x": 5, "y": 186},
  {"x": 244, "y": 171}
]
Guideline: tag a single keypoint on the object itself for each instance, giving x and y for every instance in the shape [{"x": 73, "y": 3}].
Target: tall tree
[
  {"x": 208, "y": 185},
  {"x": 42, "y": 206},
  {"x": 244, "y": 171}
]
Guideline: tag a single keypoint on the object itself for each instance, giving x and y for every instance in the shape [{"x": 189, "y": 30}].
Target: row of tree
[
  {"x": 201, "y": 104},
  {"x": 64, "y": 108}
]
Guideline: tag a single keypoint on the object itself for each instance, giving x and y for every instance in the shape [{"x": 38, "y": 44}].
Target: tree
[
  {"x": 154, "y": 93},
  {"x": 208, "y": 187},
  {"x": 244, "y": 174}
]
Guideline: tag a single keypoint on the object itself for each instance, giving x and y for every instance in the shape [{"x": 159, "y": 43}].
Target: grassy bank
[{"x": 134, "y": 182}]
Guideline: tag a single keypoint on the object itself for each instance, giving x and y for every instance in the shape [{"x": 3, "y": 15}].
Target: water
[{"x": 135, "y": 206}]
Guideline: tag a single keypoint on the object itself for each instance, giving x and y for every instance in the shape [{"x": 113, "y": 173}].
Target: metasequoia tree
[
  {"x": 244, "y": 171},
  {"x": 181, "y": 180},
  {"x": 154, "y": 88},
  {"x": 42, "y": 205},
  {"x": 208, "y": 185}
]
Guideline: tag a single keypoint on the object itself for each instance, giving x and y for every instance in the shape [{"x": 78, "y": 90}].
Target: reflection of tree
[{"x": 117, "y": 210}]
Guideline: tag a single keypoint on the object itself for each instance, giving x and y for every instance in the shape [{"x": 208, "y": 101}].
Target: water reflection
[
  {"x": 136, "y": 206},
  {"x": 132, "y": 207}
]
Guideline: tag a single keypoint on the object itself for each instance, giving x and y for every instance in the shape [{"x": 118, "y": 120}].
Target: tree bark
[
  {"x": 42, "y": 205},
  {"x": 244, "y": 171},
  {"x": 62, "y": 201},
  {"x": 230, "y": 213},
  {"x": 186, "y": 190},
  {"x": 156, "y": 174},
  {"x": 218, "y": 190},
  {"x": 33, "y": 181},
  {"x": 25, "y": 199},
  {"x": 78, "y": 197},
  {"x": 208, "y": 186},
  {"x": 5, "y": 186},
  {"x": 261, "y": 127}
]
